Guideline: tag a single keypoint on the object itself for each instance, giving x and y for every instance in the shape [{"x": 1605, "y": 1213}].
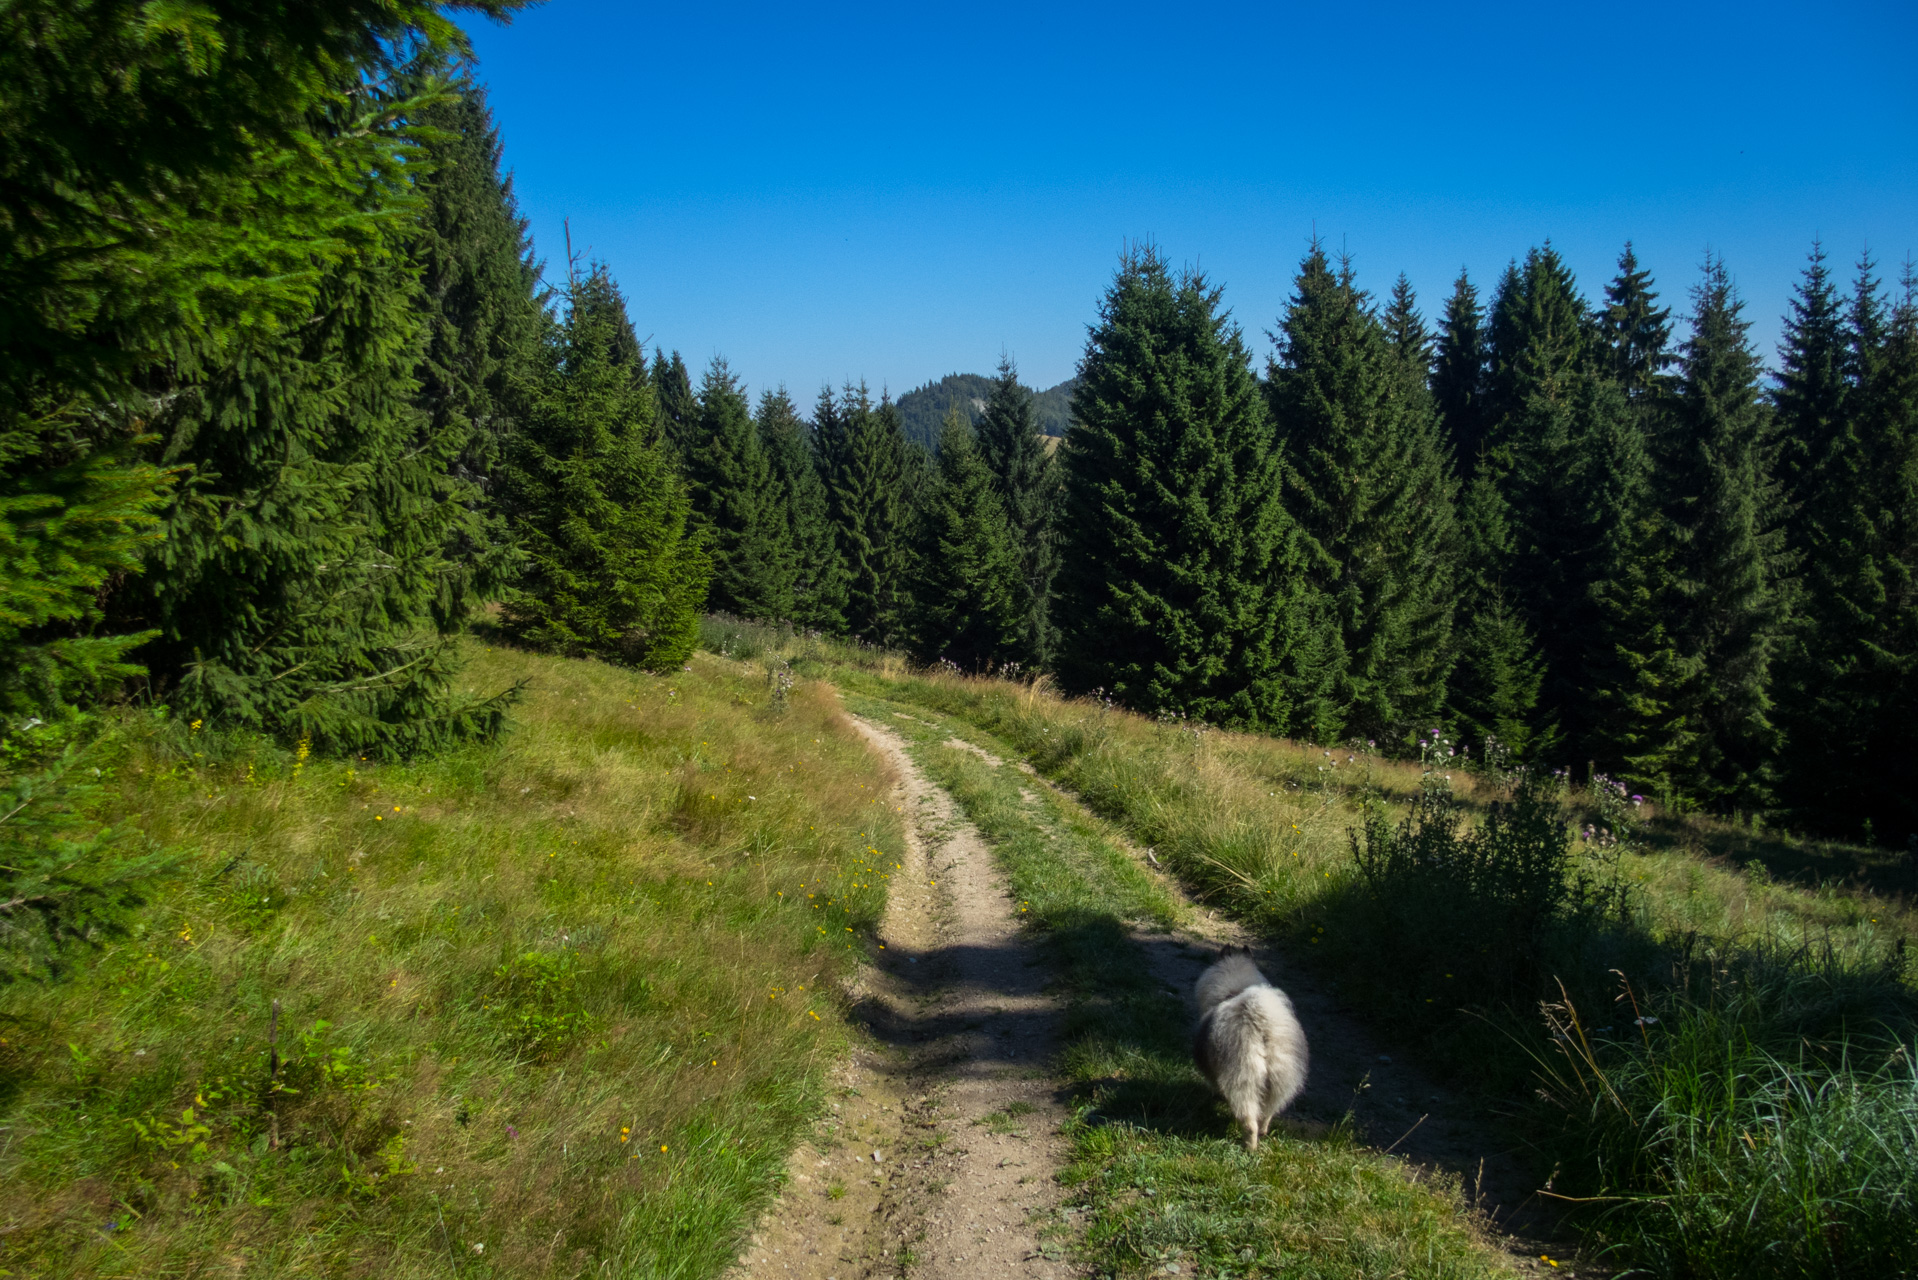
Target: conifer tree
[
  {"x": 968, "y": 594},
  {"x": 1634, "y": 332},
  {"x": 1850, "y": 698},
  {"x": 1458, "y": 375},
  {"x": 1355, "y": 424},
  {"x": 1591, "y": 576},
  {"x": 1814, "y": 382},
  {"x": 1720, "y": 496},
  {"x": 737, "y": 507},
  {"x": 1181, "y": 586},
  {"x": 819, "y": 577},
  {"x": 1539, "y": 366},
  {"x": 1537, "y": 347},
  {"x": 596, "y": 503},
  {"x": 864, "y": 449},
  {"x": 1026, "y": 477},
  {"x": 918, "y": 471},
  {"x": 1411, "y": 340},
  {"x": 677, "y": 406},
  {"x": 310, "y": 583},
  {"x": 481, "y": 296}
]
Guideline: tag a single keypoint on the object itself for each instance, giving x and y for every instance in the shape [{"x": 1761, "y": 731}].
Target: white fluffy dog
[{"x": 1249, "y": 1045}]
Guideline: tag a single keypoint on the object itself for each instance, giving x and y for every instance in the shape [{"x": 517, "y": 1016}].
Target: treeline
[
  {"x": 287, "y": 401},
  {"x": 1575, "y": 532}
]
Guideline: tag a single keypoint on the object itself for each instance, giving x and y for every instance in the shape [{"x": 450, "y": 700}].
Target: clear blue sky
[{"x": 902, "y": 191}]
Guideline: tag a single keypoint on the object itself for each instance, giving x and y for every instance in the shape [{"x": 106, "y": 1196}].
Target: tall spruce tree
[
  {"x": 737, "y": 507},
  {"x": 819, "y": 576},
  {"x": 1849, "y": 702},
  {"x": 1634, "y": 332},
  {"x": 1355, "y": 423},
  {"x": 1182, "y": 584},
  {"x": 968, "y": 593},
  {"x": 1458, "y": 375},
  {"x": 1589, "y": 573},
  {"x": 187, "y": 202},
  {"x": 596, "y": 502},
  {"x": 1026, "y": 477},
  {"x": 1539, "y": 364},
  {"x": 1725, "y": 507},
  {"x": 863, "y": 447},
  {"x": 677, "y": 407},
  {"x": 1814, "y": 383},
  {"x": 481, "y": 295},
  {"x": 310, "y": 583},
  {"x": 1411, "y": 340},
  {"x": 1608, "y": 646}
]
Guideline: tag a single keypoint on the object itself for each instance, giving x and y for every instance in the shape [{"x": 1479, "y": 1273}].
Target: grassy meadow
[{"x": 557, "y": 1006}]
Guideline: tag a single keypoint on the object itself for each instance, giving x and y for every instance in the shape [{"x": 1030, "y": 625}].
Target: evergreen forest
[{"x": 289, "y": 402}]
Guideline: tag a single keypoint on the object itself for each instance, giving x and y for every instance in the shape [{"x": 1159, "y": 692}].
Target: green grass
[
  {"x": 556, "y": 1006},
  {"x": 1158, "y": 1175}
]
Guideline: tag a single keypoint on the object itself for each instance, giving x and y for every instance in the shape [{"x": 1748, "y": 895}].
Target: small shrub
[{"x": 1503, "y": 885}]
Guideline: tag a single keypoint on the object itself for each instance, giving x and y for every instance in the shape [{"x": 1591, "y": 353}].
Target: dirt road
[{"x": 944, "y": 1143}]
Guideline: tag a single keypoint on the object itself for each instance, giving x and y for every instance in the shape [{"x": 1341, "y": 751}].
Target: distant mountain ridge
[{"x": 923, "y": 409}]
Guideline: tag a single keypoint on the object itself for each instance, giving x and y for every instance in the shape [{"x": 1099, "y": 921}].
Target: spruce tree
[
  {"x": 1181, "y": 586},
  {"x": 864, "y": 448},
  {"x": 1411, "y": 340},
  {"x": 968, "y": 593},
  {"x": 1026, "y": 477},
  {"x": 1537, "y": 346},
  {"x": 1458, "y": 375},
  {"x": 1539, "y": 366},
  {"x": 1848, "y": 703},
  {"x": 1634, "y": 332},
  {"x": 737, "y": 507},
  {"x": 1720, "y": 496},
  {"x": 311, "y": 582},
  {"x": 1355, "y": 423},
  {"x": 819, "y": 577},
  {"x": 596, "y": 503},
  {"x": 1589, "y": 573},
  {"x": 1814, "y": 382},
  {"x": 676, "y": 405},
  {"x": 481, "y": 296}
]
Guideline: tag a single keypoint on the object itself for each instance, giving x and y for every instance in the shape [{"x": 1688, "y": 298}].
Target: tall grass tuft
[{"x": 1766, "y": 1127}]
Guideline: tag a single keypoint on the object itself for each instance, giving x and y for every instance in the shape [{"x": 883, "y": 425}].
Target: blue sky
[{"x": 898, "y": 192}]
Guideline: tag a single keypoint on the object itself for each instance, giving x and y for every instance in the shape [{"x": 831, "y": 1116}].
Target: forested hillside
[{"x": 923, "y": 409}]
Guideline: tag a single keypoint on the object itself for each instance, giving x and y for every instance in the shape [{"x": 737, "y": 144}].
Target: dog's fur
[{"x": 1249, "y": 1043}]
